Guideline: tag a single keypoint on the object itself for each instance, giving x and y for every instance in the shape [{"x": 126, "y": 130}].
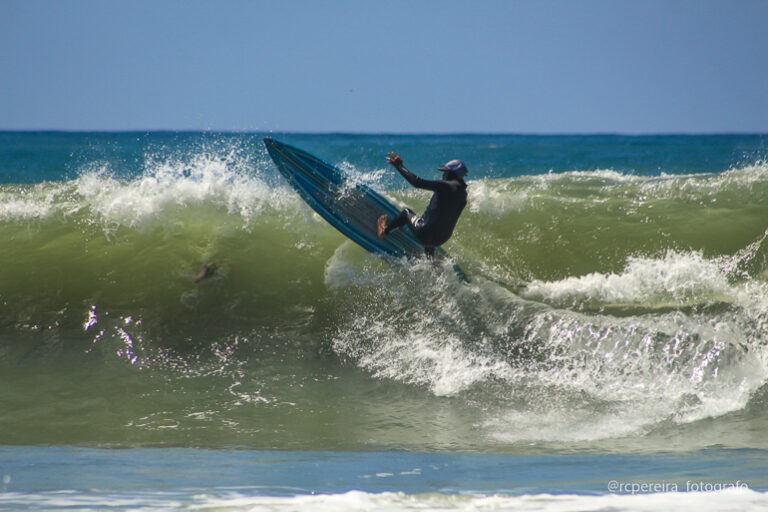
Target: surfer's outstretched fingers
[{"x": 395, "y": 159}]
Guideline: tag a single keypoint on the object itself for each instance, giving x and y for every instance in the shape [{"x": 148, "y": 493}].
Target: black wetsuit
[{"x": 435, "y": 227}]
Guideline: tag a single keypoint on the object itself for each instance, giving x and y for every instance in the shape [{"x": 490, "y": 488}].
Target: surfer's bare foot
[{"x": 381, "y": 226}]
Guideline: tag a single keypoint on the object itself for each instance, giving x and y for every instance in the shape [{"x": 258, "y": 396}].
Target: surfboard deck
[{"x": 352, "y": 208}]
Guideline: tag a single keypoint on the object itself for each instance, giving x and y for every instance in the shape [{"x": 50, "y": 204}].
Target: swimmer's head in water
[{"x": 205, "y": 272}]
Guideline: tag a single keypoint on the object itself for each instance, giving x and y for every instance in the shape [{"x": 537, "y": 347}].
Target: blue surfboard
[{"x": 352, "y": 208}]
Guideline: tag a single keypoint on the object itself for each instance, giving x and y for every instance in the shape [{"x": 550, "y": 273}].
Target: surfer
[{"x": 435, "y": 226}]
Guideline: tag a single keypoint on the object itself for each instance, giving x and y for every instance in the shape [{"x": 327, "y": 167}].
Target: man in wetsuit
[{"x": 435, "y": 227}]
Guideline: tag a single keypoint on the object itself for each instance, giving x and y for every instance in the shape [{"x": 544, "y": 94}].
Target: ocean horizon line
[{"x": 387, "y": 133}]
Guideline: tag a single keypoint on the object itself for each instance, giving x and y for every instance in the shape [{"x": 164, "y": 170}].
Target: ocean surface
[{"x": 609, "y": 353}]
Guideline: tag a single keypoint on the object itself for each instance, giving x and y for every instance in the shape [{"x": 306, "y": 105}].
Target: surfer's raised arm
[{"x": 416, "y": 181}]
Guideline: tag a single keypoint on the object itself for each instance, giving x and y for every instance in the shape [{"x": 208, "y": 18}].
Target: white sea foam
[
  {"x": 676, "y": 279},
  {"x": 496, "y": 199},
  {"x": 736, "y": 498},
  {"x": 202, "y": 178},
  {"x": 725, "y": 500},
  {"x": 547, "y": 374},
  {"x": 411, "y": 345},
  {"x": 224, "y": 179},
  {"x": 36, "y": 202}
]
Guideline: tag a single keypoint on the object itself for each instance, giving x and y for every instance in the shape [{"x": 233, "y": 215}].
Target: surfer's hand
[{"x": 395, "y": 160}]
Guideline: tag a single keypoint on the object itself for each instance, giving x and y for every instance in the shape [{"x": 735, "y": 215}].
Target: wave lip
[{"x": 225, "y": 178}]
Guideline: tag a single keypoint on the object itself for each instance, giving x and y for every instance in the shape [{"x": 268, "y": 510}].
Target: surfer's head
[{"x": 454, "y": 169}]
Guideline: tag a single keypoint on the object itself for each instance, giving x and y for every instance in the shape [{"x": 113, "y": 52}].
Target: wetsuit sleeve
[{"x": 434, "y": 185}]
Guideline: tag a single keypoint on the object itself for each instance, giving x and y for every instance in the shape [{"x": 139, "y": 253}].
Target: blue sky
[{"x": 386, "y": 66}]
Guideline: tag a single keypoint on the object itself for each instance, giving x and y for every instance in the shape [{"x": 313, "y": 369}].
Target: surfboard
[{"x": 351, "y": 207}]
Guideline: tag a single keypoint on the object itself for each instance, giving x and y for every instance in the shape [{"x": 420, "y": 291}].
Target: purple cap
[{"x": 457, "y": 167}]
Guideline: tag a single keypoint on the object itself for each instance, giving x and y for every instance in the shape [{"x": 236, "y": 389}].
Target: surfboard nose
[{"x": 273, "y": 144}]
